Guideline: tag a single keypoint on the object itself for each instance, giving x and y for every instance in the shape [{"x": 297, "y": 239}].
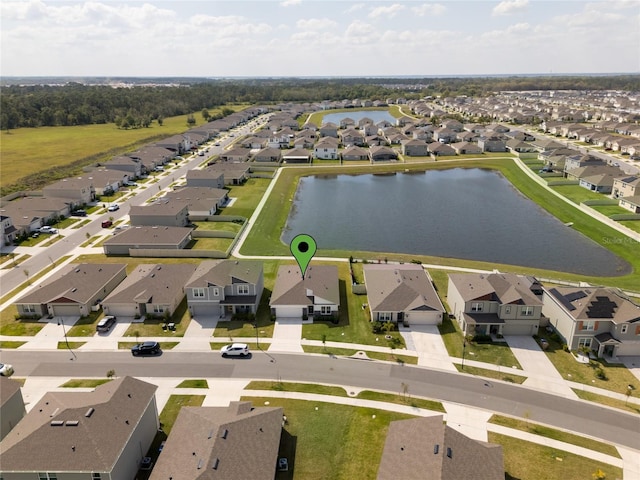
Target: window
[
  {"x": 436, "y": 449},
  {"x": 158, "y": 309},
  {"x": 29, "y": 309},
  {"x": 95, "y": 476},
  {"x": 325, "y": 310},
  {"x": 198, "y": 292},
  {"x": 588, "y": 325},
  {"x": 243, "y": 289},
  {"x": 476, "y": 307},
  {"x": 216, "y": 292},
  {"x": 507, "y": 309},
  {"x": 624, "y": 328},
  {"x": 449, "y": 452},
  {"x": 384, "y": 316},
  {"x": 584, "y": 342},
  {"x": 47, "y": 476},
  {"x": 527, "y": 311}
]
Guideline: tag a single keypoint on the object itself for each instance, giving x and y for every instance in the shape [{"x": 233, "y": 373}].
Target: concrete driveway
[
  {"x": 426, "y": 341},
  {"x": 286, "y": 335},
  {"x": 542, "y": 375}
]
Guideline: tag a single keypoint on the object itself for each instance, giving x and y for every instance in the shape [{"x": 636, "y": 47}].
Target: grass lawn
[
  {"x": 85, "y": 326},
  {"x": 193, "y": 384},
  {"x": 220, "y": 244},
  {"x": 332, "y": 442},
  {"x": 17, "y": 328},
  {"x": 85, "y": 382},
  {"x": 247, "y": 197},
  {"x": 14, "y": 261},
  {"x": 172, "y": 408},
  {"x": 9, "y": 344},
  {"x": 153, "y": 327},
  {"x": 485, "y": 372},
  {"x": 529, "y": 461},
  {"x": 632, "y": 224},
  {"x": 387, "y": 357},
  {"x": 604, "y": 400},
  {"x": 555, "y": 434},
  {"x": 577, "y": 194},
  {"x": 219, "y": 226},
  {"x": 618, "y": 376},
  {"x": 244, "y": 328},
  {"x": 71, "y": 345},
  {"x": 609, "y": 210}
]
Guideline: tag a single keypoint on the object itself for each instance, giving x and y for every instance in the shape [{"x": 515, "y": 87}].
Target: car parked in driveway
[
  {"x": 106, "y": 323},
  {"x": 235, "y": 350},
  {"x": 47, "y": 229},
  {"x": 79, "y": 213},
  {"x": 145, "y": 348},
  {"x": 6, "y": 370}
]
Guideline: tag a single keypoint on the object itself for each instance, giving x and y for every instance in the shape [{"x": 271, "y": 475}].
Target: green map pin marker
[{"x": 303, "y": 247}]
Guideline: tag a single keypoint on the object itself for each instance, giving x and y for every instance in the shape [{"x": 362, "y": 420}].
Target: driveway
[
  {"x": 542, "y": 375},
  {"x": 426, "y": 341},
  {"x": 286, "y": 335}
]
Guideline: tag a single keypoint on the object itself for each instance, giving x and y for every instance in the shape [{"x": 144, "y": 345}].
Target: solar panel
[
  {"x": 571, "y": 297},
  {"x": 562, "y": 299},
  {"x": 601, "y": 307}
]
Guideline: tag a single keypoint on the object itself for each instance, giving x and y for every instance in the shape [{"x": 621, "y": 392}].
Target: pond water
[
  {"x": 357, "y": 115},
  {"x": 471, "y": 214}
]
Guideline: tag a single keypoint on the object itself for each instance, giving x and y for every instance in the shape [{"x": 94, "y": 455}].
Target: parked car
[
  {"x": 235, "y": 350},
  {"x": 283, "y": 464},
  {"x": 113, "y": 208},
  {"x": 146, "y": 463},
  {"x": 35, "y": 234},
  {"x": 107, "y": 224},
  {"x": 146, "y": 348},
  {"x": 130, "y": 184},
  {"x": 47, "y": 229},
  {"x": 6, "y": 370},
  {"x": 79, "y": 213},
  {"x": 159, "y": 168},
  {"x": 106, "y": 323}
]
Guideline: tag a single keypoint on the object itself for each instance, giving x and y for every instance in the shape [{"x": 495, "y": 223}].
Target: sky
[{"x": 306, "y": 38}]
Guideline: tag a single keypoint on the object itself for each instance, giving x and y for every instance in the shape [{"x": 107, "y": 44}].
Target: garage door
[
  {"x": 206, "y": 310},
  {"x": 289, "y": 312},
  {"x": 66, "y": 310},
  {"x": 119, "y": 310},
  {"x": 519, "y": 330},
  {"x": 424, "y": 318}
]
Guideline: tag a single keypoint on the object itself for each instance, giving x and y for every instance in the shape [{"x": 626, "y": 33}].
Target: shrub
[
  {"x": 376, "y": 327},
  {"x": 565, "y": 347},
  {"x": 600, "y": 373}
]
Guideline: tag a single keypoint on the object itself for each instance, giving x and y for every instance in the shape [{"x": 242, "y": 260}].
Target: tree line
[{"x": 137, "y": 106}]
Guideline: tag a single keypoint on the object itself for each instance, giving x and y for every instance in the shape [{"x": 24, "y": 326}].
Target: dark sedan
[{"x": 146, "y": 348}]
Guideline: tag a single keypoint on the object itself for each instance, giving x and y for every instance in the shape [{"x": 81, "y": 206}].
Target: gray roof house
[
  {"x": 78, "y": 190},
  {"x": 8, "y": 231},
  {"x": 267, "y": 155},
  {"x": 415, "y": 148},
  {"x": 205, "y": 177},
  {"x": 317, "y": 295},
  {"x": 495, "y": 303},
  {"x": 421, "y": 448},
  {"x": 237, "y": 154},
  {"x": 150, "y": 290},
  {"x": 72, "y": 291},
  {"x": 218, "y": 288},
  {"x": 234, "y": 173},
  {"x": 126, "y": 164},
  {"x": 208, "y": 443},
  {"x": 11, "y": 405},
  {"x": 626, "y": 186},
  {"x": 402, "y": 293},
  {"x": 165, "y": 212},
  {"x": 382, "y": 154},
  {"x": 30, "y": 213},
  {"x": 296, "y": 155},
  {"x": 630, "y": 203},
  {"x": 604, "y": 320},
  {"x": 104, "y": 180},
  {"x": 104, "y": 433},
  {"x": 201, "y": 201},
  {"x": 597, "y": 178},
  {"x": 466, "y": 148},
  {"x": 148, "y": 238},
  {"x": 355, "y": 153}
]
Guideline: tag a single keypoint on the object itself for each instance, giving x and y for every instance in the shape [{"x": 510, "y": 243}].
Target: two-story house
[
  {"x": 495, "y": 303},
  {"x": 326, "y": 149},
  {"x": 626, "y": 186},
  {"x": 601, "y": 319},
  {"x": 218, "y": 288}
]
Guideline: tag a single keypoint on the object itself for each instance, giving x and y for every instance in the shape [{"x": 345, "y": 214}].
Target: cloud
[
  {"x": 315, "y": 24},
  {"x": 389, "y": 11},
  {"x": 360, "y": 33},
  {"x": 354, "y": 8},
  {"x": 432, "y": 9},
  {"x": 508, "y": 7},
  {"x": 290, "y": 3}
]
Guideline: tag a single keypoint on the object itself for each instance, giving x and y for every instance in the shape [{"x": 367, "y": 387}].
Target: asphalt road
[{"x": 578, "y": 416}]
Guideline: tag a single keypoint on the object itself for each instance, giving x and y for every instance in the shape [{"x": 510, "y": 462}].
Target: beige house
[
  {"x": 201, "y": 201},
  {"x": 626, "y": 186},
  {"x": 495, "y": 303},
  {"x": 427, "y": 448},
  {"x": 101, "y": 434},
  {"x": 146, "y": 237},
  {"x": 234, "y": 442},
  {"x": 79, "y": 190},
  {"x": 315, "y": 296},
  {"x": 73, "y": 291},
  {"x": 206, "y": 177},
  {"x": 601, "y": 319},
  {"x": 165, "y": 212},
  {"x": 11, "y": 405},
  {"x": 402, "y": 293},
  {"x": 630, "y": 203}
]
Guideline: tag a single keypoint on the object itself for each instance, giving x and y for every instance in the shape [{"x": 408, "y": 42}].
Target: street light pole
[
  {"x": 255, "y": 325},
  {"x": 64, "y": 330},
  {"x": 464, "y": 344}
]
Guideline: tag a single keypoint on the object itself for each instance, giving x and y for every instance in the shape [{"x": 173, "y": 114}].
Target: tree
[
  {"x": 111, "y": 373},
  {"x": 206, "y": 115},
  {"x": 599, "y": 475},
  {"x": 191, "y": 120},
  {"x": 160, "y": 121}
]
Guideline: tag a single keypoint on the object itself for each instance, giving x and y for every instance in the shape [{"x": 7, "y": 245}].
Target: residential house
[
  {"x": 150, "y": 290},
  {"x": 466, "y": 148},
  {"x": 630, "y": 203},
  {"x": 438, "y": 149},
  {"x": 237, "y": 155},
  {"x": 252, "y": 142},
  {"x": 375, "y": 141},
  {"x": 165, "y": 212},
  {"x": 218, "y": 288},
  {"x": 268, "y": 154},
  {"x": 73, "y": 291},
  {"x": 205, "y": 177},
  {"x": 326, "y": 149},
  {"x": 347, "y": 122},
  {"x": 11, "y": 405},
  {"x": 103, "y": 433},
  {"x": 328, "y": 130},
  {"x": 492, "y": 144},
  {"x": 518, "y": 146},
  {"x": 296, "y": 155},
  {"x": 106, "y": 182},
  {"x": 351, "y": 136},
  {"x": 234, "y": 442},
  {"x": 578, "y": 161},
  {"x": 603, "y": 320},
  {"x": 178, "y": 144},
  {"x": 597, "y": 178},
  {"x": 382, "y": 154},
  {"x": 77, "y": 190},
  {"x": 317, "y": 295},
  {"x": 152, "y": 156},
  {"x": 444, "y": 135},
  {"x": 8, "y": 231},
  {"x": 30, "y": 213},
  {"x": 626, "y": 186},
  {"x": 495, "y": 303},
  {"x": 201, "y": 201},
  {"x": 415, "y": 148},
  {"x": 234, "y": 173},
  {"x": 306, "y": 143},
  {"x": 402, "y": 294},
  {"x": 426, "y": 447},
  {"x": 354, "y": 153},
  {"x": 147, "y": 238},
  {"x": 123, "y": 163}
]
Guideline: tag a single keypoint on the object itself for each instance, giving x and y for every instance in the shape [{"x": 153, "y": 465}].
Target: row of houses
[
  {"x": 106, "y": 433},
  {"x": 482, "y": 304}
]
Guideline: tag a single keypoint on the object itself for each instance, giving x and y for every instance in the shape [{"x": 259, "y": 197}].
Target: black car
[
  {"x": 146, "y": 348},
  {"x": 79, "y": 213}
]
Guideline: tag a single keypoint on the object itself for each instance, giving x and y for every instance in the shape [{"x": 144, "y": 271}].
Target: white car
[
  {"x": 235, "y": 350},
  {"x": 113, "y": 208},
  {"x": 47, "y": 229},
  {"x": 6, "y": 370}
]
